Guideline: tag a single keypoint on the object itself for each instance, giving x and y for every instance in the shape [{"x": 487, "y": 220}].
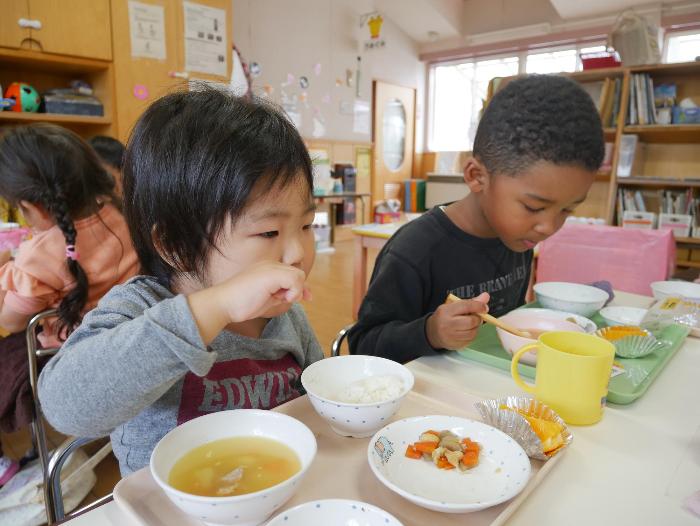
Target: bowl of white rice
[{"x": 356, "y": 394}]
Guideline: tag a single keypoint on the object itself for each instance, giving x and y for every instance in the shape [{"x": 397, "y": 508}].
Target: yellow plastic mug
[{"x": 572, "y": 375}]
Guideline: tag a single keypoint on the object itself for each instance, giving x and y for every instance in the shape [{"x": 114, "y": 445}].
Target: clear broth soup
[{"x": 234, "y": 466}]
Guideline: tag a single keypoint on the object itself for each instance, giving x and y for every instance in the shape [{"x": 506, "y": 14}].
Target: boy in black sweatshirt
[{"x": 537, "y": 149}]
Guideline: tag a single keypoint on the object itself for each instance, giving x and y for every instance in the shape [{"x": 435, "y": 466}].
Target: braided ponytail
[
  {"x": 71, "y": 306},
  {"x": 53, "y": 167}
]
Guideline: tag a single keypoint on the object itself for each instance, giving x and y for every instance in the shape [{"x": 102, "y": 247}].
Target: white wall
[{"x": 291, "y": 36}]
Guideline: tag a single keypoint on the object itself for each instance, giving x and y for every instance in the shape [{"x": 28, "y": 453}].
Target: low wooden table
[{"x": 372, "y": 235}]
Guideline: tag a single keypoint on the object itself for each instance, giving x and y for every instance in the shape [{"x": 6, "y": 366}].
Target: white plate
[
  {"x": 583, "y": 322},
  {"x": 623, "y": 315},
  {"x": 503, "y": 469},
  {"x": 334, "y": 512}
]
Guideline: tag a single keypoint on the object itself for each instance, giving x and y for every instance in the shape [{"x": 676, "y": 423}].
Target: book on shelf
[
  {"x": 629, "y": 155},
  {"x": 606, "y": 166},
  {"x": 642, "y": 105},
  {"x": 617, "y": 93}
]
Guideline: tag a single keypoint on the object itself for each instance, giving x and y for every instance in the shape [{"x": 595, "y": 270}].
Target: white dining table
[{"x": 635, "y": 467}]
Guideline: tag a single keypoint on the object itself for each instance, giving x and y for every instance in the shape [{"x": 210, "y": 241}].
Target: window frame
[{"x": 521, "y": 55}]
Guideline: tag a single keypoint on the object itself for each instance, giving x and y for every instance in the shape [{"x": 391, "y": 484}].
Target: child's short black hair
[
  {"x": 191, "y": 162},
  {"x": 539, "y": 118},
  {"x": 110, "y": 150}
]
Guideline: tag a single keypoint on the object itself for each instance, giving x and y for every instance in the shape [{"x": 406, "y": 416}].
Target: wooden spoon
[{"x": 451, "y": 298}]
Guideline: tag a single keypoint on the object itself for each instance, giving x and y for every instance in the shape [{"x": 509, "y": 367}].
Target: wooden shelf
[
  {"x": 666, "y": 133},
  {"x": 609, "y": 132},
  {"x": 596, "y": 74},
  {"x": 680, "y": 68},
  {"x": 20, "y": 117},
  {"x": 687, "y": 263},
  {"x": 657, "y": 182},
  {"x": 50, "y": 62},
  {"x": 688, "y": 240}
]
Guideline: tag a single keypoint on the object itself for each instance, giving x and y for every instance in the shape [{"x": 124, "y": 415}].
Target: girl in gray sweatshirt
[{"x": 218, "y": 198}]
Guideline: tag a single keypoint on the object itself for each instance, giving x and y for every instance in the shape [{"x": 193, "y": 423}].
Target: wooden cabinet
[
  {"x": 152, "y": 78},
  {"x": 80, "y": 28},
  {"x": 12, "y": 34}
]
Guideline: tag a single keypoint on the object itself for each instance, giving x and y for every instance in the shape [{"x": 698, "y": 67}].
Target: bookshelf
[{"x": 46, "y": 70}]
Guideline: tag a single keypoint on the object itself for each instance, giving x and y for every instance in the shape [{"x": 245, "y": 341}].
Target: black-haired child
[
  {"x": 80, "y": 248},
  {"x": 218, "y": 197},
  {"x": 536, "y": 152}
]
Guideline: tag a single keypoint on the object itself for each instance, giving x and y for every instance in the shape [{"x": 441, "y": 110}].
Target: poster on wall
[
  {"x": 361, "y": 120},
  {"x": 147, "y": 30},
  {"x": 205, "y": 39},
  {"x": 371, "y": 31}
]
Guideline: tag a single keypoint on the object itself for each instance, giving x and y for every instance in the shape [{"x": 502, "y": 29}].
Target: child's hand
[
  {"x": 251, "y": 293},
  {"x": 246, "y": 296},
  {"x": 453, "y": 325}
]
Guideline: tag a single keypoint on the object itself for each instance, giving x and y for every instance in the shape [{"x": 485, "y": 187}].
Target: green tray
[{"x": 636, "y": 376}]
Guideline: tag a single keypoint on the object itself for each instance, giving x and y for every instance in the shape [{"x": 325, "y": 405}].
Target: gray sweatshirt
[{"x": 137, "y": 367}]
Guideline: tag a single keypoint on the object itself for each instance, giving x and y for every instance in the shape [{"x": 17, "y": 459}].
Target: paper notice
[
  {"x": 147, "y": 30},
  {"x": 205, "y": 39}
]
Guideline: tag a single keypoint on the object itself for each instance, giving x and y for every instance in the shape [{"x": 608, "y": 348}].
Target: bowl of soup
[
  {"x": 233, "y": 468},
  {"x": 534, "y": 324}
]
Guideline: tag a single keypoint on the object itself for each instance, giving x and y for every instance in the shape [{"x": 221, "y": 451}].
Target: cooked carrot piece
[
  {"x": 443, "y": 463},
  {"x": 470, "y": 458},
  {"x": 425, "y": 447},
  {"x": 412, "y": 453},
  {"x": 469, "y": 445}
]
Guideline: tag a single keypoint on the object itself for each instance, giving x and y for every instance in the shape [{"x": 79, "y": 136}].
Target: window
[
  {"x": 682, "y": 47},
  {"x": 458, "y": 89},
  {"x": 553, "y": 62},
  {"x": 457, "y": 94}
]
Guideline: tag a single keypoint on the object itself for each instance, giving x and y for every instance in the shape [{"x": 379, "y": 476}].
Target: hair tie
[{"x": 71, "y": 253}]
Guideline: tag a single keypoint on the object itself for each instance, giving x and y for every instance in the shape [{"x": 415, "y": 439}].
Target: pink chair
[{"x": 630, "y": 259}]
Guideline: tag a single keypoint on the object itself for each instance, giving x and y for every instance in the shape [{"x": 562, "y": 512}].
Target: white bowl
[
  {"x": 503, "y": 470},
  {"x": 623, "y": 315},
  {"x": 239, "y": 510},
  {"x": 526, "y": 319},
  {"x": 332, "y": 512},
  {"x": 586, "y": 324},
  {"x": 675, "y": 289},
  {"x": 324, "y": 381},
  {"x": 571, "y": 297}
]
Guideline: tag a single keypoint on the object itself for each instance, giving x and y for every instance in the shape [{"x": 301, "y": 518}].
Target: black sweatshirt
[{"x": 416, "y": 269}]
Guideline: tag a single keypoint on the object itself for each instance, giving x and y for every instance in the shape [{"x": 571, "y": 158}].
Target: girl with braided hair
[{"x": 80, "y": 248}]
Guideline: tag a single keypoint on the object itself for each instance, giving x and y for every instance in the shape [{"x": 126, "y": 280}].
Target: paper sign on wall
[
  {"x": 147, "y": 30},
  {"x": 362, "y": 118},
  {"x": 205, "y": 39}
]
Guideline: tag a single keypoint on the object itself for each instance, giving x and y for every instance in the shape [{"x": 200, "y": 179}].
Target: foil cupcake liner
[
  {"x": 635, "y": 346},
  {"x": 514, "y": 425}
]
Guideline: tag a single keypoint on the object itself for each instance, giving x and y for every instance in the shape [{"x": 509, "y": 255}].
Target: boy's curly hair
[{"x": 539, "y": 118}]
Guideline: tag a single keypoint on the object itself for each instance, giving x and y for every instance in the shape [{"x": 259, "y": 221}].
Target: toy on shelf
[{"x": 25, "y": 97}]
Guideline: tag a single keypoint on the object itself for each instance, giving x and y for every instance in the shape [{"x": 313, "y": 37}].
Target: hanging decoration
[{"x": 371, "y": 31}]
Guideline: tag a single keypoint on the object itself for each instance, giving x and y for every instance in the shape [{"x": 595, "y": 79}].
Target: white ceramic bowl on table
[
  {"x": 326, "y": 379},
  {"x": 623, "y": 315},
  {"x": 528, "y": 320},
  {"x": 674, "y": 289},
  {"x": 585, "y": 323},
  {"x": 570, "y": 297},
  {"x": 239, "y": 510},
  {"x": 332, "y": 512},
  {"x": 503, "y": 470}
]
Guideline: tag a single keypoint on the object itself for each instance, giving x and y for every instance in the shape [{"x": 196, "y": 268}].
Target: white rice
[{"x": 371, "y": 390}]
